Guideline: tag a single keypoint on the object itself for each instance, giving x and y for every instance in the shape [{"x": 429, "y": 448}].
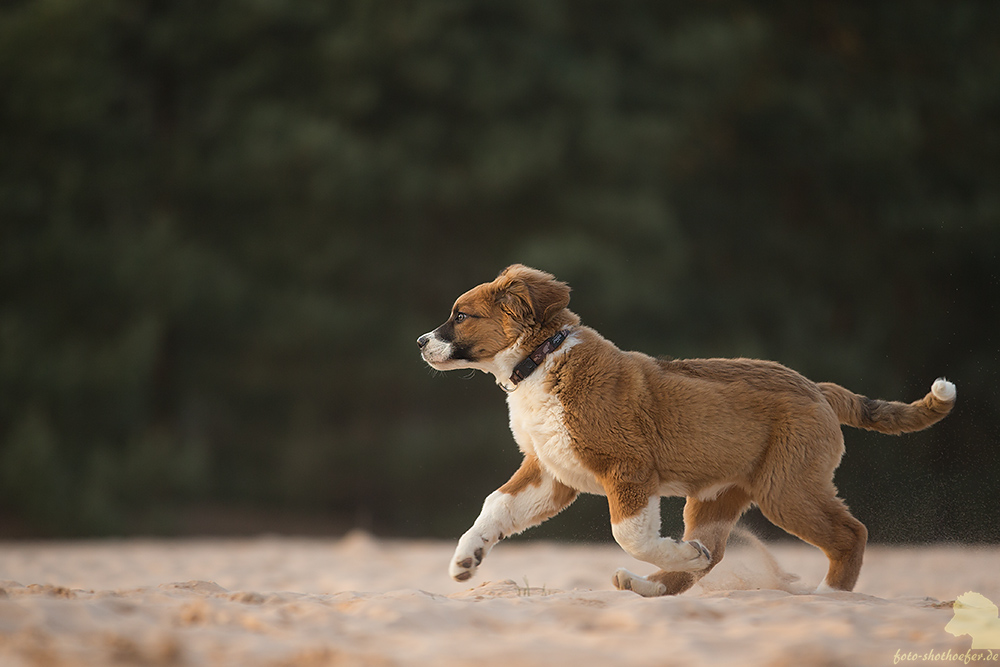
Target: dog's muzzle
[{"x": 433, "y": 350}]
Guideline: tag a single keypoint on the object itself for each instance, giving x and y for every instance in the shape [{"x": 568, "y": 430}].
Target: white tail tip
[{"x": 943, "y": 390}]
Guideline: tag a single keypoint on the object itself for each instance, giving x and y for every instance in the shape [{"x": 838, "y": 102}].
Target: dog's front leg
[
  {"x": 635, "y": 524},
  {"x": 530, "y": 497}
]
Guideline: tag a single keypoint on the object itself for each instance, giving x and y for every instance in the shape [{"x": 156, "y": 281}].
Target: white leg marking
[
  {"x": 826, "y": 588},
  {"x": 502, "y": 515},
  {"x": 640, "y": 537}
]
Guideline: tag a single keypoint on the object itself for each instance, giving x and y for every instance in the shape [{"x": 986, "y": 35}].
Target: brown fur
[
  {"x": 884, "y": 416},
  {"x": 745, "y": 430},
  {"x": 518, "y": 303}
]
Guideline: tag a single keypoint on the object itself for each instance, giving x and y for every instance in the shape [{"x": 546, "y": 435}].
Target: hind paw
[{"x": 624, "y": 580}]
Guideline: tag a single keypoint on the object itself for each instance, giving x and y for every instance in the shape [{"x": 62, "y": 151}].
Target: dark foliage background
[{"x": 223, "y": 225}]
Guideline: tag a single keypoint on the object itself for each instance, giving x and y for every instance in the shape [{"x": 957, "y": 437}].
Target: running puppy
[{"x": 723, "y": 432}]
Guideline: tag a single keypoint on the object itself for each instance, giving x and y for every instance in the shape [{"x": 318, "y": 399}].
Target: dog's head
[{"x": 491, "y": 323}]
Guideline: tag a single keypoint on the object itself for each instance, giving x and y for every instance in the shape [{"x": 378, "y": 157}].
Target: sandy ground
[{"x": 361, "y": 601}]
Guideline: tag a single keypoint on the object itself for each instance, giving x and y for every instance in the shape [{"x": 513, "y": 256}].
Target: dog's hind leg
[
  {"x": 822, "y": 519},
  {"x": 707, "y": 522}
]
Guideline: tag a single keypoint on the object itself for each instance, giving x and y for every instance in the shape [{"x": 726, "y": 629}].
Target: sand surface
[{"x": 362, "y": 601}]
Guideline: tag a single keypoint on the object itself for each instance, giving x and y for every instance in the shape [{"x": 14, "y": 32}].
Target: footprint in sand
[{"x": 976, "y": 615}]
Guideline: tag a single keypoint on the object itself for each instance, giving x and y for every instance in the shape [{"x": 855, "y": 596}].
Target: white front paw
[
  {"x": 469, "y": 554},
  {"x": 699, "y": 557}
]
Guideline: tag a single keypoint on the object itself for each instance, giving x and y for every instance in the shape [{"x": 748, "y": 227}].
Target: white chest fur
[{"x": 537, "y": 421}]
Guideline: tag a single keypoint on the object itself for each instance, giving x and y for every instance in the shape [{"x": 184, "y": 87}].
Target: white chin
[{"x": 446, "y": 365}]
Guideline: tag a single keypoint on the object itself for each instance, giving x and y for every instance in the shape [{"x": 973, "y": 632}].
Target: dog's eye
[{"x": 460, "y": 317}]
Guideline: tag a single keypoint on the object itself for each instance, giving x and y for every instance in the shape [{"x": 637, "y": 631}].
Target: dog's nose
[{"x": 423, "y": 340}]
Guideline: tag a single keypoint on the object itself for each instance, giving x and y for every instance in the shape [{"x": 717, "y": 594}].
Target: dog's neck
[
  {"x": 535, "y": 359},
  {"x": 501, "y": 367},
  {"x": 515, "y": 366}
]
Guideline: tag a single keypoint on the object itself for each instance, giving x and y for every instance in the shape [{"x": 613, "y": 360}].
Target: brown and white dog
[{"x": 591, "y": 418}]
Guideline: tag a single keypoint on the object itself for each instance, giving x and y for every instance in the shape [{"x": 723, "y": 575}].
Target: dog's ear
[{"x": 529, "y": 294}]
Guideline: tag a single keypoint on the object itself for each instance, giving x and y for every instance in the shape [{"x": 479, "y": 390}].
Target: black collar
[{"x": 535, "y": 359}]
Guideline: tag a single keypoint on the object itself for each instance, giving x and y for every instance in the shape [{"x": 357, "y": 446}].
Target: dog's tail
[{"x": 890, "y": 416}]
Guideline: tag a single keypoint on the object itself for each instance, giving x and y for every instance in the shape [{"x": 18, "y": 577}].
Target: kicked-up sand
[{"x": 366, "y": 601}]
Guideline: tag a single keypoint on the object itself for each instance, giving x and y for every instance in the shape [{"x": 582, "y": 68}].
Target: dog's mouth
[
  {"x": 440, "y": 354},
  {"x": 437, "y": 361}
]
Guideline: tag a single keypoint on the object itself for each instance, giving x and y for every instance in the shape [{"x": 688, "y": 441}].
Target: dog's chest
[{"x": 537, "y": 420}]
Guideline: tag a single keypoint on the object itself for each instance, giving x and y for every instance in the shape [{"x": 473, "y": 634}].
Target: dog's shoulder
[
  {"x": 595, "y": 372},
  {"x": 589, "y": 355}
]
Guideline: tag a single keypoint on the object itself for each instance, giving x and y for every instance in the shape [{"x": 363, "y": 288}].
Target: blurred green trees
[{"x": 222, "y": 227}]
